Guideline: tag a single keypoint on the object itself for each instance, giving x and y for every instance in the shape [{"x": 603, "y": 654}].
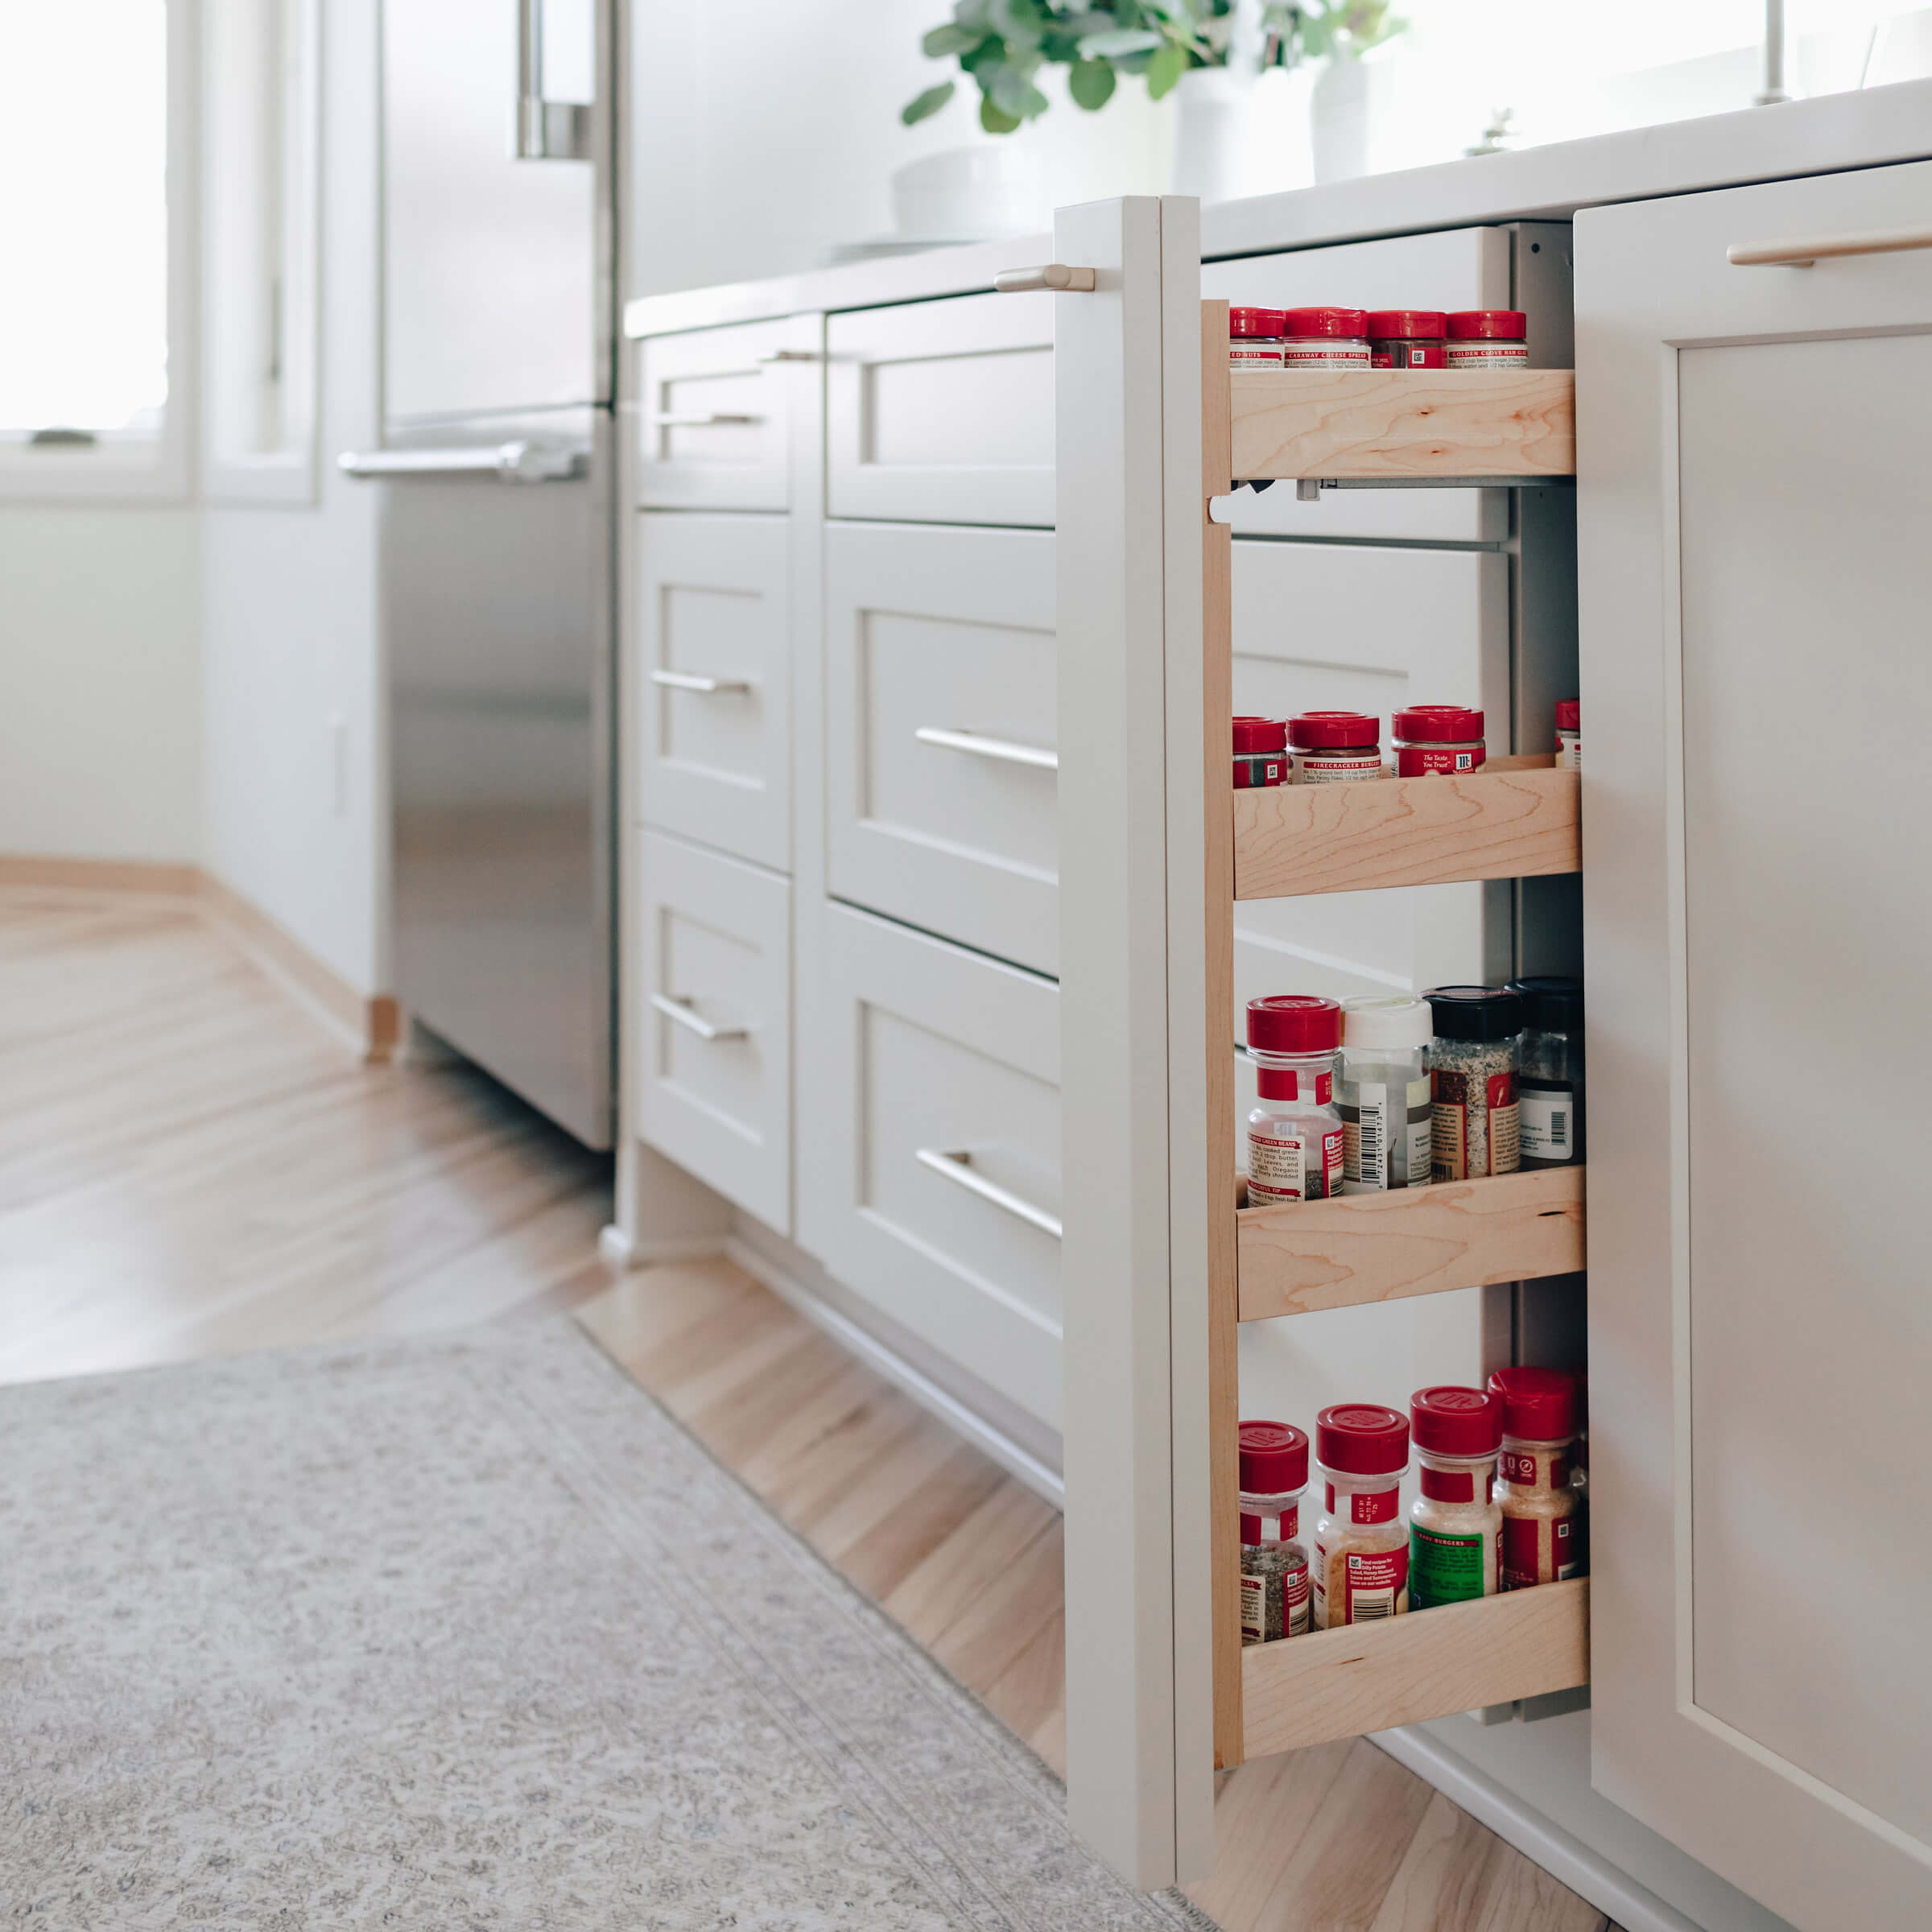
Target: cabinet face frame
[{"x": 1653, "y": 281}]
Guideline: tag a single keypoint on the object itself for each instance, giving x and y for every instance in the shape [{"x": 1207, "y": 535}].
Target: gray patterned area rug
[{"x": 467, "y": 1633}]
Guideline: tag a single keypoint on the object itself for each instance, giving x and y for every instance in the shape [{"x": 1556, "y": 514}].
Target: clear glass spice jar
[
  {"x": 1431, "y": 739},
  {"x": 1254, "y": 338},
  {"x": 1540, "y": 1542},
  {"x": 1550, "y": 1076},
  {"x": 1334, "y": 747},
  {"x": 1408, "y": 338},
  {"x": 1382, "y": 1094},
  {"x": 1295, "y": 1134},
  {"x": 1261, "y": 753},
  {"x": 1361, "y": 1543},
  {"x": 1473, "y": 1063},
  {"x": 1569, "y": 734},
  {"x": 1488, "y": 338},
  {"x": 1455, "y": 1525},
  {"x": 1324, "y": 338},
  {"x": 1276, "y": 1590}
]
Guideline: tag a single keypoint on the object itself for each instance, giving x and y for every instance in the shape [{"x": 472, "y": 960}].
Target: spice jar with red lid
[
  {"x": 1294, "y": 1134},
  {"x": 1275, "y": 1587},
  {"x": 1334, "y": 747},
  {"x": 1408, "y": 338},
  {"x": 1261, "y": 753},
  {"x": 1361, "y": 1543},
  {"x": 1532, "y": 1488},
  {"x": 1569, "y": 734},
  {"x": 1454, "y": 1525},
  {"x": 1488, "y": 338},
  {"x": 1324, "y": 338},
  {"x": 1254, "y": 338},
  {"x": 1431, "y": 739}
]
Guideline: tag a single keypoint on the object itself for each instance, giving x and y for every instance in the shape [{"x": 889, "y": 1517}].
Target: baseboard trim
[
  {"x": 995, "y": 1443},
  {"x": 1588, "y": 1873},
  {"x": 156, "y": 875}
]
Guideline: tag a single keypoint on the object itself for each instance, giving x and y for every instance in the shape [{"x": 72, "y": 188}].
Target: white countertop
[{"x": 1839, "y": 131}]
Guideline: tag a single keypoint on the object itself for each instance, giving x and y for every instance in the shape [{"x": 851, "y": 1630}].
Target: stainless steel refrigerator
[{"x": 496, "y": 472}]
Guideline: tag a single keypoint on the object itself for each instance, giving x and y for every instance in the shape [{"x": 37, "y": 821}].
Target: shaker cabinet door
[{"x": 1754, "y": 582}]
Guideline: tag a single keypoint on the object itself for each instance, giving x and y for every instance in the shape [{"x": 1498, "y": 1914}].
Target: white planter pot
[
  {"x": 969, "y": 194},
  {"x": 1213, "y": 113},
  {"x": 1339, "y": 122}
]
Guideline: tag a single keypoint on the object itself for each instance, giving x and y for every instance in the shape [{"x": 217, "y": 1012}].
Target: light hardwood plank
[
  {"x": 1026, "y": 1695},
  {"x": 900, "y": 1510},
  {"x": 1261, "y": 1813},
  {"x": 944, "y": 1587},
  {"x": 992, "y": 1632}
]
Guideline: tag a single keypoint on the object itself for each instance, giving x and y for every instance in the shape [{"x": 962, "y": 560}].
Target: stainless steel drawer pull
[
  {"x": 1056, "y": 276},
  {"x": 792, "y": 355},
  {"x": 709, "y": 688},
  {"x": 718, "y": 418},
  {"x": 507, "y": 462},
  {"x": 957, "y": 1167},
  {"x": 679, "y": 1010},
  {"x": 1802, "y": 251},
  {"x": 1002, "y": 748}
]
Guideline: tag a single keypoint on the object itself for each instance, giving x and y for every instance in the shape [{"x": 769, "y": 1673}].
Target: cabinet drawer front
[
  {"x": 939, "y": 1149},
  {"x": 946, "y": 633},
  {"x": 943, "y": 411},
  {"x": 713, "y": 1051},
  {"x": 714, "y": 415},
  {"x": 712, "y": 686},
  {"x": 1321, "y": 627}
]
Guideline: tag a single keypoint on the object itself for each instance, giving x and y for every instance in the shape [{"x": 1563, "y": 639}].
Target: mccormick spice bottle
[
  {"x": 1435, "y": 738},
  {"x": 1275, "y": 1585},
  {"x": 1408, "y": 338},
  {"x": 1261, "y": 753},
  {"x": 1473, "y": 1067},
  {"x": 1324, "y": 338},
  {"x": 1489, "y": 338},
  {"x": 1532, "y": 1489},
  {"x": 1335, "y": 747},
  {"x": 1361, "y": 1544},
  {"x": 1456, "y": 1526},
  {"x": 1295, "y": 1134},
  {"x": 1569, "y": 734},
  {"x": 1254, "y": 338},
  {"x": 1382, "y": 1094},
  {"x": 1550, "y": 1078}
]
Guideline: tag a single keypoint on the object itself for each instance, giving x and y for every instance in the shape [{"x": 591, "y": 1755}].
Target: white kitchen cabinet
[
  {"x": 713, "y": 681},
  {"x": 1754, "y": 584}
]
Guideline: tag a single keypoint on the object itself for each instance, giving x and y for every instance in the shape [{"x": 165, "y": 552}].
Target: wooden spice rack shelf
[
  {"x": 1359, "y": 1247},
  {"x": 1459, "y": 426},
  {"x": 1430, "y": 1663},
  {"x": 1514, "y": 819}
]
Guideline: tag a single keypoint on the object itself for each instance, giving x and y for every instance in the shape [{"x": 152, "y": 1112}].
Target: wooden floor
[{"x": 189, "y": 1165}]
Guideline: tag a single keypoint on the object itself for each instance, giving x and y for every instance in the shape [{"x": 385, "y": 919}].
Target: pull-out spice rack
[{"x": 1514, "y": 818}]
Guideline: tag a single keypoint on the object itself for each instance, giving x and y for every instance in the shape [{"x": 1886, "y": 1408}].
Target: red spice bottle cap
[
  {"x": 1457, "y": 1422},
  {"x": 1407, "y": 324},
  {"x": 1253, "y": 735},
  {"x": 1342, "y": 324},
  {"x": 1489, "y": 325},
  {"x": 1274, "y": 1458},
  {"x": 1294, "y": 1022},
  {"x": 1539, "y": 1405},
  {"x": 1254, "y": 322},
  {"x": 1361, "y": 1439},
  {"x": 1321, "y": 730},
  {"x": 1569, "y": 714},
  {"x": 1437, "y": 724}
]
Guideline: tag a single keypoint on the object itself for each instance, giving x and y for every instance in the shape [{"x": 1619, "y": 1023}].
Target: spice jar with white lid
[
  {"x": 1408, "y": 338},
  {"x": 1254, "y": 338},
  {"x": 1261, "y": 753},
  {"x": 1361, "y": 1543},
  {"x": 1455, "y": 1525},
  {"x": 1334, "y": 747},
  {"x": 1488, "y": 338},
  {"x": 1431, "y": 739},
  {"x": 1473, "y": 1062},
  {"x": 1382, "y": 1094},
  {"x": 1533, "y": 1487},
  {"x": 1550, "y": 1072},
  {"x": 1275, "y": 1586},
  {"x": 1569, "y": 734},
  {"x": 1295, "y": 1134},
  {"x": 1324, "y": 338}
]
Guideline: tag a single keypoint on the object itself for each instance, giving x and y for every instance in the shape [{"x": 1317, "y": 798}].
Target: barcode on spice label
[
  {"x": 1559, "y": 1125},
  {"x": 1367, "y": 1607}
]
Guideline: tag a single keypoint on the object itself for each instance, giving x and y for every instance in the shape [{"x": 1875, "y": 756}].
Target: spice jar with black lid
[
  {"x": 1549, "y": 1076},
  {"x": 1275, "y": 1585},
  {"x": 1361, "y": 1543},
  {"x": 1261, "y": 753},
  {"x": 1431, "y": 739},
  {"x": 1324, "y": 338},
  {"x": 1408, "y": 338},
  {"x": 1334, "y": 747},
  {"x": 1473, "y": 1062},
  {"x": 1488, "y": 338},
  {"x": 1254, "y": 338},
  {"x": 1533, "y": 1487}
]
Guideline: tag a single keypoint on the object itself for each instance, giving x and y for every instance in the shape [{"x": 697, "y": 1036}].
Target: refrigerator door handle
[
  {"x": 507, "y": 462},
  {"x": 544, "y": 131}
]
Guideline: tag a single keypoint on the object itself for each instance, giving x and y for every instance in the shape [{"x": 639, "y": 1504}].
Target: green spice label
[{"x": 1442, "y": 1569}]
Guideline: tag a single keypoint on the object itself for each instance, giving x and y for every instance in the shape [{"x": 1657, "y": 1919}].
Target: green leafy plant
[{"x": 1002, "y": 45}]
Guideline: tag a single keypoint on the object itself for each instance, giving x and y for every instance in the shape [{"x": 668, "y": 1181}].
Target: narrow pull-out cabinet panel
[
  {"x": 714, "y": 406},
  {"x": 713, "y": 1058},
  {"x": 713, "y": 682},
  {"x": 941, "y": 762},
  {"x": 1752, "y": 443},
  {"x": 942, "y": 412},
  {"x": 932, "y": 1183}
]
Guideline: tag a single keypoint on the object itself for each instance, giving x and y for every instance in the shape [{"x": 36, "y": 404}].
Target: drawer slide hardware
[
  {"x": 1056, "y": 276},
  {"x": 957, "y": 1167},
  {"x": 709, "y": 688},
  {"x": 979, "y": 746},
  {"x": 678, "y": 1010}
]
